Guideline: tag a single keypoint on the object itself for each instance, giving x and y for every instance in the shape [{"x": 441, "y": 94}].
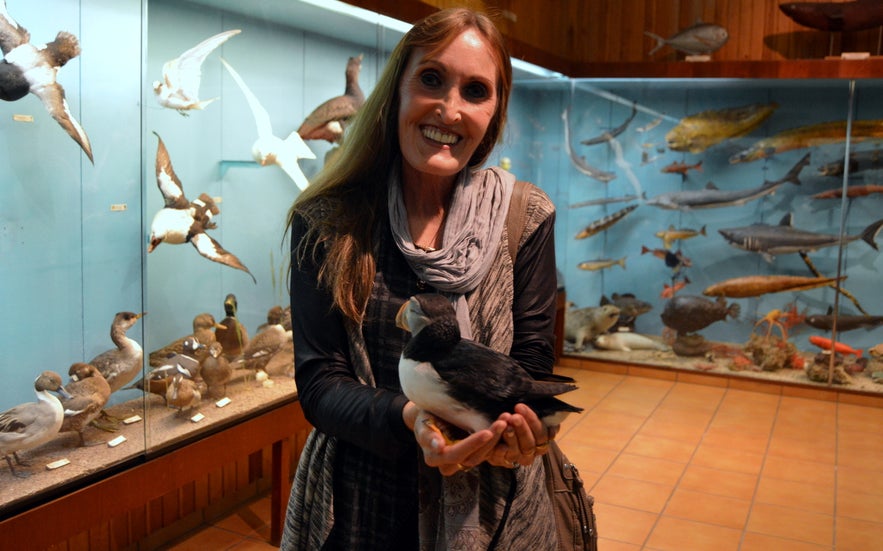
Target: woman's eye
[
  {"x": 476, "y": 91},
  {"x": 430, "y": 78}
]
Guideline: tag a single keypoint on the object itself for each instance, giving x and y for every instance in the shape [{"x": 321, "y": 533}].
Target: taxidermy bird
[
  {"x": 27, "y": 426},
  {"x": 204, "y": 325},
  {"x": 329, "y": 120},
  {"x": 185, "y": 363},
  {"x": 89, "y": 393},
  {"x": 183, "y": 394},
  {"x": 39, "y": 67},
  {"x": 215, "y": 370},
  {"x": 179, "y": 87},
  {"x": 120, "y": 365},
  {"x": 464, "y": 382},
  {"x": 269, "y": 149},
  {"x": 232, "y": 334},
  {"x": 184, "y": 221}
]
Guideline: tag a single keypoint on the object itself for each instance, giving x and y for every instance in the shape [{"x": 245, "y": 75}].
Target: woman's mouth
[{"x": 440, "y": 136}]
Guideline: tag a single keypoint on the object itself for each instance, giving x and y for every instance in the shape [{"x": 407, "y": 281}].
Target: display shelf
[{"x": 784, "y": 69}]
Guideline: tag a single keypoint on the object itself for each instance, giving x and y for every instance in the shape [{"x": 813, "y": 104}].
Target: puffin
[
  {"x": 269, "y": 149},
  {"x": 466, "y": 383},
  {"x": 29, "y": 425},
  {"x": 184, "y": 221},
  {"x": 89, "y": 393},
  {"x": 328, "y": 121},
  {"x": 27, "y": 68},
  {"x": 119, "y": 365},
  {"x": 179, "y": 87}
]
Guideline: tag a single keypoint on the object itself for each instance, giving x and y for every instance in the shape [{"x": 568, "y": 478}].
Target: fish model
[
  {"x": 836, "y": 16},
  {"x": 844, "y": 322},
  {"x": 600, "y": 225},
  {"x": 690, "y": 313},
  {"x": 181, "y": 77},
  {"x": 673, "y": 234},
  {"x": 810, "y": 136},
  {"x": 859, "y": 161},
  {"x": 28, "y": 68},
  {"x": 269, "y": 149},
  {"x": 839, "y": 347},
  {"x": 673, "y": 259},
  {"x": 184, "y": 221},
  {"x": 681, "y": 168},
  {"x": 601, "y": 264},
  {"x": 696, "y": 133},
  {"x": 669, "y": 291},
  {"x": 329, "y": 120},
  {"x": 603, "y": 201},
  {"x": 626, "y": 342},
  {"x": 769, "y": 240},
  {"x": 712, "y": 197},
  {"x": 851, "y": 192},
  {"x": 757, "y": 285},
  {"x": 581, "y": 325},
  {"x": 700, "y": 39},
  {"x": 580, "y": 162},
  {"x": 610, "y": 134},
  {"x": 630, "y": 307}
]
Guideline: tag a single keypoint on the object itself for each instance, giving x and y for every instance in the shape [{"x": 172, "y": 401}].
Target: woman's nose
[{"x": 450, "y": 108}]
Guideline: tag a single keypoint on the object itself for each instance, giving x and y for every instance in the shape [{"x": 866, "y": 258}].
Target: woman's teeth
[{"x": 437, "y": 135}]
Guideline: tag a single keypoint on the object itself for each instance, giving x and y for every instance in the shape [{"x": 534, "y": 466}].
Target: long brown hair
[{"x": 343, "y": 204}]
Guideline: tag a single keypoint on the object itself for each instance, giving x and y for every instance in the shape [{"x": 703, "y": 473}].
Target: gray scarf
[{"x": 472, "y": 233}]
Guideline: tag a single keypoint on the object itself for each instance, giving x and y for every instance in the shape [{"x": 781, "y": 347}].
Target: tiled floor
[{"x": 682, "y": 466}]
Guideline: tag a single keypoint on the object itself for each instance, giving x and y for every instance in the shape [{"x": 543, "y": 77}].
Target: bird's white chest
[
  {"x": 171, "y": 225},
  {"x": 422, "y": 385}
]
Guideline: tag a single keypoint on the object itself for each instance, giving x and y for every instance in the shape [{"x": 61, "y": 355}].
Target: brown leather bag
[{"x": 573, "y": 507}]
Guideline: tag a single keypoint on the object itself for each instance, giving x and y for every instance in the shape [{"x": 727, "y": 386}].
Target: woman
[{"x": 403, "y": 209}]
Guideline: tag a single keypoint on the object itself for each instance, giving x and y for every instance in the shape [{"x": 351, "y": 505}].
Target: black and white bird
[
  {"x": 38, "y": 67},
  {"x": 179, "y": 87},
  {"x": 463, "y": 382},
  {"x": 184, "y": 221}
]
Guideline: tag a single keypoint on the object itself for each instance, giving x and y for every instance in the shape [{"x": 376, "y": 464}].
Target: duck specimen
[
  {"x": 184, "y": 221},
  {"x": 120, "y": 365},
  {"x": 264, "y": 346},
  {"x": 215, "y": 370},
  {"x": 464, "y": 382},
  {"x": 179, "y": 87},
  {"x": 183, "y": 394},
  {"x": 274, "y": 316},
  {"x": 38, "y": 67},
  {"x": 89, "y": 392},
  {"x": 270, "y": 149},
  {"x": 185, "y": 363},
  {"x": 329, "y": 120},
  {"x": 232, "y": 334},
  {"x": 27, "y": 426},
  {"x": 204, "y": 325}
]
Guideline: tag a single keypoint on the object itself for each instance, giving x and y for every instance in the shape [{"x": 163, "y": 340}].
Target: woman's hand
[
  {"x": 458, "y": 456},
  {"x": 524, "y": 439}
]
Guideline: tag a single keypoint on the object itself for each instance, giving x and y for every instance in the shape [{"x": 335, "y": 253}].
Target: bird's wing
[
  {"x": 261, "y": 117},
  {"x": 211, "y": 249},
  {"x": 53, "y": 100},
  {"x": 78, "y": 405},
  {"x": 14, "y": 420},
  {"x": 185, "y": 71},
  {"x": 166, "y": 180},
  {"x": 294, "y": 148},
  {"x": 12, "y": 34},
  {"x": 336, "y": 109}
]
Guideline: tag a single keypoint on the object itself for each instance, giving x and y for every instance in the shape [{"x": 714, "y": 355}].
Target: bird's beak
[
  {"x": 401, "y": 321},
  {"x": 64, "y": 393},
  {"x": 141, "y": 315},
  {"x": 219, "y": 326}
]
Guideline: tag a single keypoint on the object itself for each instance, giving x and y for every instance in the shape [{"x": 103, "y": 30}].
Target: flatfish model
[
  {"x": 690, "y": 313},
  {"x": 696, "y": 133},
  {"x": 810, "y": 136},
  {"x": 700, "y": 39}
]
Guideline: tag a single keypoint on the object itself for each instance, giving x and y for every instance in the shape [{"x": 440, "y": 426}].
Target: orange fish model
[
  {"x": 851, "y": 192},
  {"x": 755, "y": 286},
  {"x": 839, "y": 347},
  {"x": 681, "y": 168},
  {"x": 696, "y": 133},
  {"x": 810, "y": 136}
]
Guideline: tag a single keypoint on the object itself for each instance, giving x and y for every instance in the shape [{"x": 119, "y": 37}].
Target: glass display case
[{"x": 715, "y": 218}]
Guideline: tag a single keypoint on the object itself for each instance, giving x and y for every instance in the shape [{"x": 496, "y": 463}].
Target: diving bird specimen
[
  {"x": 215, "y": 370},
  {"x": 39, "y": 67},
  {"x": 89, "y": 392},
  {"x": 328, "y": 121},
  {"x": 269, "y": 149},
  {"x": 183, "y": 394},
  {"x": 120, "y": 365},
  {"x": 232, "y": 334},
  {"x": 184, "y": 221},
  {"x": 204, "y": 325},
  {"x": 464, "y": 382},
  {"x": 184, "y": 363},
  {"x": 29, "y": 425},
  {"x": 179, "y": 87}
]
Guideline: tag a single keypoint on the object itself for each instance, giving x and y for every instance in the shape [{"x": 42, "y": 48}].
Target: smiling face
[{"x": 447, "y": 103}]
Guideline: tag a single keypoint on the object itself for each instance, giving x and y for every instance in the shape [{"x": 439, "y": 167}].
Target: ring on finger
[{"x": 542, "y": 448}]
